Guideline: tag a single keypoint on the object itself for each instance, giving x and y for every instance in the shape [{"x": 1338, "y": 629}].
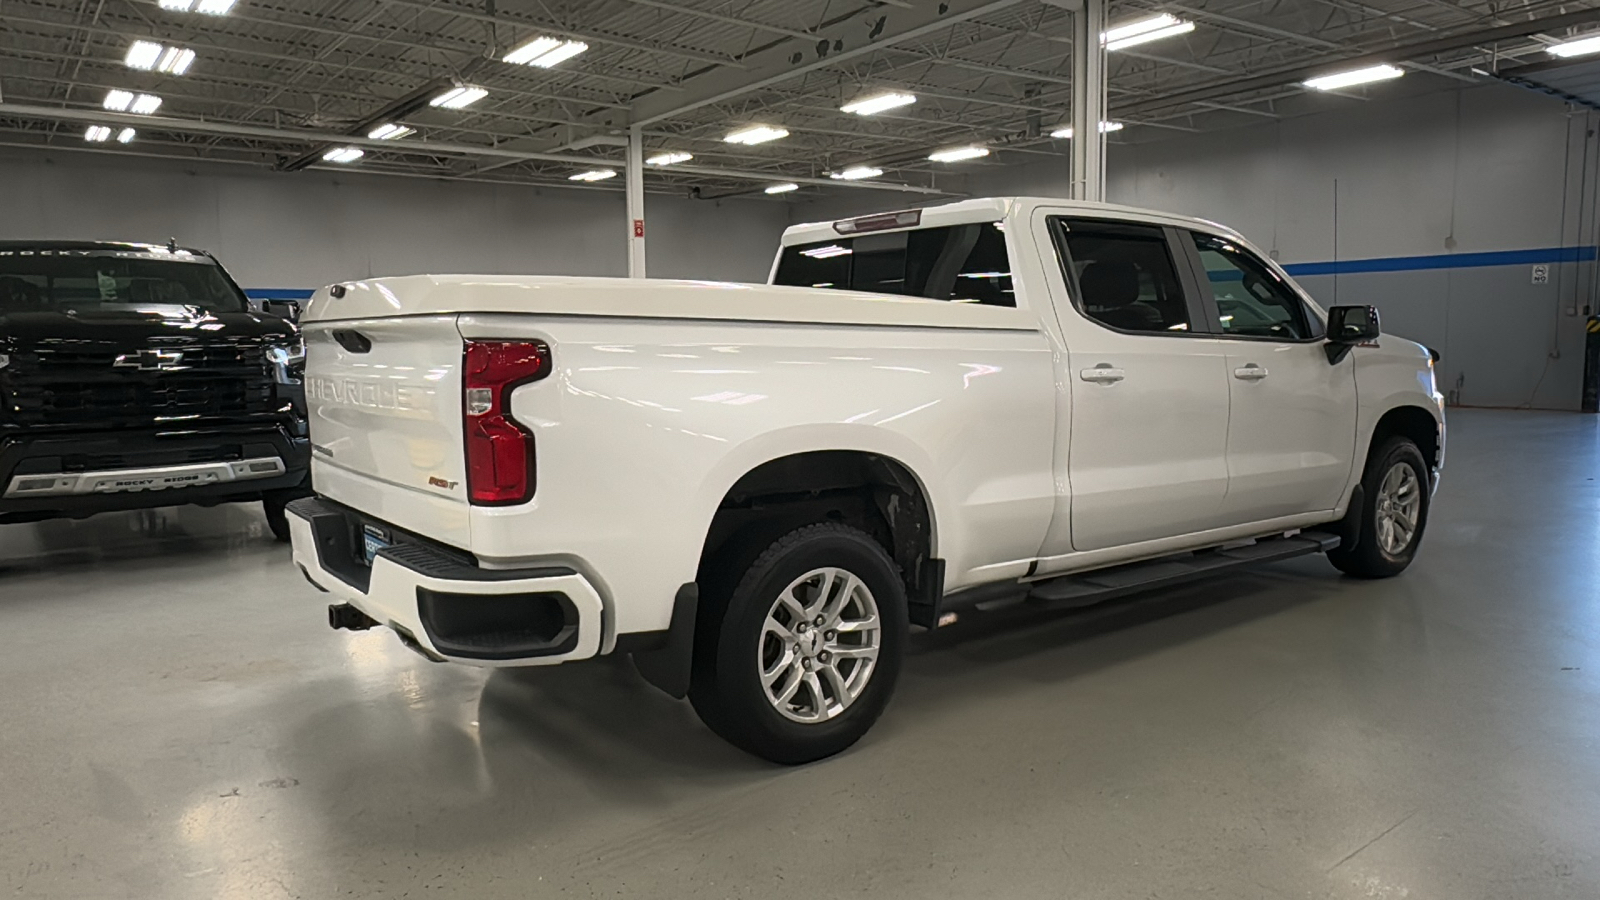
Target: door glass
[
  {"x": 1252, "y": 301},
  {"x": 1125, "y": 276}
]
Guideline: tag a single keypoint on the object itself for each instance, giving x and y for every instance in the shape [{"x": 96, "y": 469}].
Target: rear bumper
[
  {"x": 440, "y": 602},
  {"x": 98, "y": 472}
]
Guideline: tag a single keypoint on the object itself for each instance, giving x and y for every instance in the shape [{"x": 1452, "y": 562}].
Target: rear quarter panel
[{"x": 643, "y": 426}]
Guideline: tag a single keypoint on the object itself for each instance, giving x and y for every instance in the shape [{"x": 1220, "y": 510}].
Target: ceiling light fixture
[
  {"x": 1144, "y": 31},
  {"x": 142, "y": 55},
  {"x": 459, "y": 97},
  {"x": 1354, "y": 77},
  {"x": 389, "y": 132},
  {"x": 756, "y": 134},
  {"x": 671, "y": 157},
  {"x": 827, "y": 252},
  {"x": 877, "y": 103},
  {"x": 1577, "y": 47},
  {"x": 857, "y": 173},
  {"x": 783, "y": 188},
  {"x": 175, "y": 60},
  {"x": 343, "y": 154},
  {"x": 544, "y": 52},
  {"x": 96, "y": 134},
  {"x": 593, "y": 175},
  {"x": 126, "y": 101},
  {"x": 209, "y": 7},
  {"x": 957, "y": 154},
  {"x": 1106, "y": 127},
  {"x": 125, "y": 135}
]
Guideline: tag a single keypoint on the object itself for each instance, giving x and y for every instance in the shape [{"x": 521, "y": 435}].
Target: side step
[{"x": 1119, "y": 581}]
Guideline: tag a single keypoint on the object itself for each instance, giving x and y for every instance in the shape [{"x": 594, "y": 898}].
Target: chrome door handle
[
  {"x": 1251, "y": 372},
  {"x": 1102, "y": 374}
]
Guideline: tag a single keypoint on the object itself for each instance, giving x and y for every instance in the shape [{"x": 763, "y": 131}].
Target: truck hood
[{"x": 174, "y": 325}]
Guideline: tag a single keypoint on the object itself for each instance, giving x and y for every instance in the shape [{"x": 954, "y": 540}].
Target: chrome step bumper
[{"x": 156, "y": 478}]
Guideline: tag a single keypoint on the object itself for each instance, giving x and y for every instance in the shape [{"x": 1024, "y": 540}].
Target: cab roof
[{"x": 984, "y": 209}]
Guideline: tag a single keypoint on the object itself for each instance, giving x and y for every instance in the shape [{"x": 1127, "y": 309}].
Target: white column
[
  {"x": 636, "y": 202},
  {"x": 1088, "y": 102}
]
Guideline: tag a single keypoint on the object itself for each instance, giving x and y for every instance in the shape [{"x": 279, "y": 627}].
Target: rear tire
[
  {"x": 771, "y": 680},
  {"x": 1396, "y": 492}
]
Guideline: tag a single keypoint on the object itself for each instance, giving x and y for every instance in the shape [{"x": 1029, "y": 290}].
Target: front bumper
[
  {"x": 58, "y": 475},
  {"x": 439, "y": 601}
]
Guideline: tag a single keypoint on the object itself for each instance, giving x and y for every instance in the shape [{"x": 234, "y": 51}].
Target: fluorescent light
[
  {"x": 343, "y": 154},
  {"x": 561, "y": 54},
  {"x": 175, "y": 60},
  {"x": 856, "y": 173},
  {"x": 145, "y": 104},
  {"x": 143, "y": 55},
  {"x": 957, "y": 154},
  {"x": 458, "y": 97},
  {"x": 671, "y": 157},
  {"x": 389, "y": 132},
  {"x": 1106, "y": 127},
  {"x": 125, "y": 135},
  {"x": 827, "y": 252},
  {"x": 544, "y": 52},
  {"x": 118, "y": 101},
  {"x": 783, "y": 188},
  {"x": 756, "y": 134},
  {"x": 1579, "y": 47},
  {"x": 593, "y": 175},
  {"x": 214, "y": 7},
  {"x": 96, "y": 134},
  {"x": 1144, "y": 31},
  {"x": 877, "y": 103},
  {"x": 1354, "y": 77},
  {"x": 531, "y": 51}
]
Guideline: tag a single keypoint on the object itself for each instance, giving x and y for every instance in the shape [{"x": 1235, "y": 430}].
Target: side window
[
  {"x": 1125, "y": 275},
  {"x": 959, "y": 263},
  {"x": 1252, "y": 301}
]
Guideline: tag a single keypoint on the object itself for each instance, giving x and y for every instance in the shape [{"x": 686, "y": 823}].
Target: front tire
[
  {"x": 1396, "y": 493},
  {"x": 797, "y": 659},
  {"x": 277, "y": 517}
]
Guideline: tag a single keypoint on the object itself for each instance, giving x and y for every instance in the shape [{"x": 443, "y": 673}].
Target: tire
[
  {"x": 1383, "y": 547},
  {"x": 750, "y": 620},
  {"x": 277, "y": 518}
]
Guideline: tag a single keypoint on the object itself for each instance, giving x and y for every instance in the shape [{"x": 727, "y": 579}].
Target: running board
[{"x": 1119, "y": 581}]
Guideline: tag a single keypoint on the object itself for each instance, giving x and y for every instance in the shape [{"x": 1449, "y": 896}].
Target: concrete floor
[{"x": 178, "y": 722}]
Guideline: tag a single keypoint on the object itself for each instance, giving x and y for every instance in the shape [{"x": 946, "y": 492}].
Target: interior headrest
[{"x": 1109, "y": 284}]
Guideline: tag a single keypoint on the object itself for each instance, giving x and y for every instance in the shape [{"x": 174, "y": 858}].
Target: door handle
[
  {"x": 1250, "y": 372},
  {"x": 1104, "y": 373}
]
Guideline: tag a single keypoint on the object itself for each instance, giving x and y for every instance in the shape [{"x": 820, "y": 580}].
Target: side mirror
[
  {"x": 283, "y": 309},
  {"x": 1349, "y": 326}
]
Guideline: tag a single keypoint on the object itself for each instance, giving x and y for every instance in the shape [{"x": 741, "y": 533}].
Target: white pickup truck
[{"x": 757, "y": 490}]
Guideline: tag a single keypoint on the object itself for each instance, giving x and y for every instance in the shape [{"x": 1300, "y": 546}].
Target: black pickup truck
[{"x": 136, "y": 376}]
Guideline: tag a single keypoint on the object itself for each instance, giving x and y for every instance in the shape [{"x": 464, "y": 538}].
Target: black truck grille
[{"x": 83, "y": 385}]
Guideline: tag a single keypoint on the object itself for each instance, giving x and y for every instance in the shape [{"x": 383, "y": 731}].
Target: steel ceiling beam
[
  {"x": 844, "y": 41},
  {"x": 1220, "y": 90}
]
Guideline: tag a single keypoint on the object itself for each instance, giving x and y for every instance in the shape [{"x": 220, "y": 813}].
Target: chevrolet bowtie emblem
[{"x": 151, "y": 360}]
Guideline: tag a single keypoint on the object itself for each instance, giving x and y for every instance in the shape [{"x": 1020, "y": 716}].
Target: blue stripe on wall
[
  {"x": 1445, "y": 261},
  {"x": 1342, "y": 267},
  {"x": 278, "y": 294}
]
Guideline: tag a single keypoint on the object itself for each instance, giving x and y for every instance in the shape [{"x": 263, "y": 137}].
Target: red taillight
[{"x": 499, "y": 450}]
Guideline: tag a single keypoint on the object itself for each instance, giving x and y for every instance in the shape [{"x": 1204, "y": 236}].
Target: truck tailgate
[{"x": 384, "y": 400}]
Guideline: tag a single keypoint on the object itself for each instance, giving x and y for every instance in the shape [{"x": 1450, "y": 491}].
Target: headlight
[{"x": 288, "y": 360}]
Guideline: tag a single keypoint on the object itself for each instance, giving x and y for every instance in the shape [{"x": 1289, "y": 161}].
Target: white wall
[
  {"x": 1451, "y": 172},
  {"x": 305, "y": 229}
]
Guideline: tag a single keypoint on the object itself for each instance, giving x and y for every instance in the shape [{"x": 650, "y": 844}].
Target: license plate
[{"x": 372, "y": 540}]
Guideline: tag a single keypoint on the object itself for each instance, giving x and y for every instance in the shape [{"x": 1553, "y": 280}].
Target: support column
[
  {"x": 636, "y": 202},
  {"x": 1088, "y": 102}
]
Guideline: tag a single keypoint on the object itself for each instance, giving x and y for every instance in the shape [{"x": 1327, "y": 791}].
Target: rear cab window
[{"x": 965, "y": 263}]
